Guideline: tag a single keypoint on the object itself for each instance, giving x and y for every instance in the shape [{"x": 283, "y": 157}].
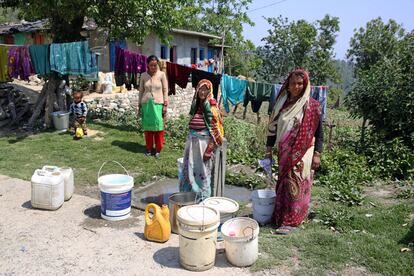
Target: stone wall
[{"x": 121, "y": 102}]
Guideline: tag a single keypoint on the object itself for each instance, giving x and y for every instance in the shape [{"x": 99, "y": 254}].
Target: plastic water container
[
  {"x": 48, "y": 190},
  {"x": 116, "y": 192},
  {"x": 157, "y": 227},
  {"x": 61, "y": 120},
  {"x": 241, "y": 241},
  {"x": 67, "y": 176},
  {"x": 69, "y": 181},
  {"x": 263, "y": 205},
  {"x": 197, "y": 226},
  {"x": 227, "y": 208}
]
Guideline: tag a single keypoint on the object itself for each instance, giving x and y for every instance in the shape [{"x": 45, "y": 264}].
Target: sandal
[{"x": 286, "y": 230}]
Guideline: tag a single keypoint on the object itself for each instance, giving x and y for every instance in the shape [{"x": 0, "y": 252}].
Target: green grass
[
  {"x": 373, "y": 243},
  {"x": 21, "y": 156}
]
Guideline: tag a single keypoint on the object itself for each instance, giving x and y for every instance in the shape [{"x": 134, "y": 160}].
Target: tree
[
  {"x": 383, "y": 94},
  {"x": 300, "y": 44},
  {"x": 224, "y": 17},
  {"x": 132, "y": 19}
]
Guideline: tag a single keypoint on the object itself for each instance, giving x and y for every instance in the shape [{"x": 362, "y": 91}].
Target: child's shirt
[{"x": 78, "y": 109}]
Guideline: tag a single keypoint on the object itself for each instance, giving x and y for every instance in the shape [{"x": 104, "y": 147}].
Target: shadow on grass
[
  {"x": 121, "y": 127},
  {"x": 130, "y": 146},
  {"x": 409, "y": 238}
]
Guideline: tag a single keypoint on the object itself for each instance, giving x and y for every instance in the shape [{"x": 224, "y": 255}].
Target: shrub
[
  {"x": 344, "y": 172},
  {"x": 389, "y": 159}
]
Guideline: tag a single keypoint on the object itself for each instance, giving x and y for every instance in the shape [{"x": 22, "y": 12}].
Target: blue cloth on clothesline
[
  {"x": 233, "y": 90},
  {"x": 73, "y": 58}
]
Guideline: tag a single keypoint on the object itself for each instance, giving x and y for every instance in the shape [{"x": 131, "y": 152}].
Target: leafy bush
[
  {"x": 177, "y": 130},
  {"x": 251, "y": 182},
  {"x": 389, "y": 159},
  {"x": 244, "y": 143},
  {"x": 344, "y": 172},
  {"x": 126, "y": 120}
]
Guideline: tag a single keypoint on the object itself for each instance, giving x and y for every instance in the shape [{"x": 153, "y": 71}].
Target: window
[
  {"x": 163, "y": 54},
  {"x": 193, "y": 55},
  {"x": 202, "y": 54}
]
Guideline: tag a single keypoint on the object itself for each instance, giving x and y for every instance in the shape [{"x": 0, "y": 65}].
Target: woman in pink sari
[{"x": 295, "y": 126}]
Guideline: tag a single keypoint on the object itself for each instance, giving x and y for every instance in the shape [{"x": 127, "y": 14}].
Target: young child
[{"x": 78, "y": 111}]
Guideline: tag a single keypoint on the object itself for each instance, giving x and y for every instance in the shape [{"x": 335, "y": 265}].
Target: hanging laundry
[
  {"x": 112, "y": 55},
  {"x": 39, "y": 55},
  {"x": 19, "y": 64},
  {"x": 19, "y": 38},
  {"x": 73, "y": 58},
  {"x": 198, "y": 75},
  {"x": 232, "y": 90},
  {"x": 127, "y": 67},
  {"x": 4, "y": 58},
  {"x": 177, "y": 74},
  {"x": 257, "y": 93},
  {"x": 320, "y": 93},
  {"x": 273, "y": 97}
]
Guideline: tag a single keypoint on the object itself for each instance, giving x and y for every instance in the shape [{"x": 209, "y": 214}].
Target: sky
[{"x": 352, "y": 14}]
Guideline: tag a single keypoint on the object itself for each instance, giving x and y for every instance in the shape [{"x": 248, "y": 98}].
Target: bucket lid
[
  {"x": 223, "y": 204},
  {"x": 198, "y": 215}
]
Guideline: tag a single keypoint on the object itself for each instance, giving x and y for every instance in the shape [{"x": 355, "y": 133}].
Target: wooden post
[
  {"x": 331, "y": 126},
  {"x": 222, "y": 60}
]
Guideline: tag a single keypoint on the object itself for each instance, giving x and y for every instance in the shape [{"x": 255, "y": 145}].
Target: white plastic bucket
[
  {"x": 197, "y": 226},
  {"x": 241, "y": 241},
  {"x": 116, "y": 192},
  {"x": 263, "y": 205},
  {"x": 227, "y": 208},
  {"x": 47, "y": 190},
  {"x": 180, "y": 165},
  {"x": 61, "y": 120}
]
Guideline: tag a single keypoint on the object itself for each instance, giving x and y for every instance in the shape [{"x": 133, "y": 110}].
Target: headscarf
[
  {"x": 211, "y": 112},
  {"x": 280, "y": 122}
]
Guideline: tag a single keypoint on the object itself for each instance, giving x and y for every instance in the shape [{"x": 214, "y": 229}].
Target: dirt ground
[{"x": 75, "y": 240}]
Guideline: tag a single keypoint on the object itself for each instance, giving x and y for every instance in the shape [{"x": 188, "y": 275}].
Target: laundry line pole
[{"x": 221, "y": 71}]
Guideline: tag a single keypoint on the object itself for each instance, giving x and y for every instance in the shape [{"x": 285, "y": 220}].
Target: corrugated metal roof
[
  {"x": 180, "y": 31},
  {"x": 24, "y": 27}
]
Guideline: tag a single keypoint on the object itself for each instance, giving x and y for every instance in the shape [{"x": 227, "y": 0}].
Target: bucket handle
[
  {"x": 252, "y": 229},
  {"x": 104, "y": 163}
]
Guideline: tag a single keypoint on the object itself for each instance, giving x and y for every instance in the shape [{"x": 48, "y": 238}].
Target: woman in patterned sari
[
  {"x": 206, "y": 133},
  {"x": 295, "y": 126}
]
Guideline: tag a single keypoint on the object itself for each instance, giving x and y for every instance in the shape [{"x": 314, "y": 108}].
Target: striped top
[
  {"x": 78, "y": 109},
  {"x": 197, "y": 122}
]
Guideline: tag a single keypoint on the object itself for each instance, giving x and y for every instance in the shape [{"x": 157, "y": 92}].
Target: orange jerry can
[{"x": 157, "y": 227}]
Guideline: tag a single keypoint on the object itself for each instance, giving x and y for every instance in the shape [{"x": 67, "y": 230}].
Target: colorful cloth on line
[
  {"x": 128, "y": 65},
  {"x": 177, "y": 74},
  {"x": 19, "y": 63},
  {"x": 79, "y": 109},
  {"x": 4, "y": 58},
  {"x": 73, "y": 58},
  {"x": 257, "y": 93},
  {"x": 233, "y": 90},
  {"x": 273, "y": 97},
  {"x": 40, "y": 57},
  {"x": 320, "y": 93}
]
